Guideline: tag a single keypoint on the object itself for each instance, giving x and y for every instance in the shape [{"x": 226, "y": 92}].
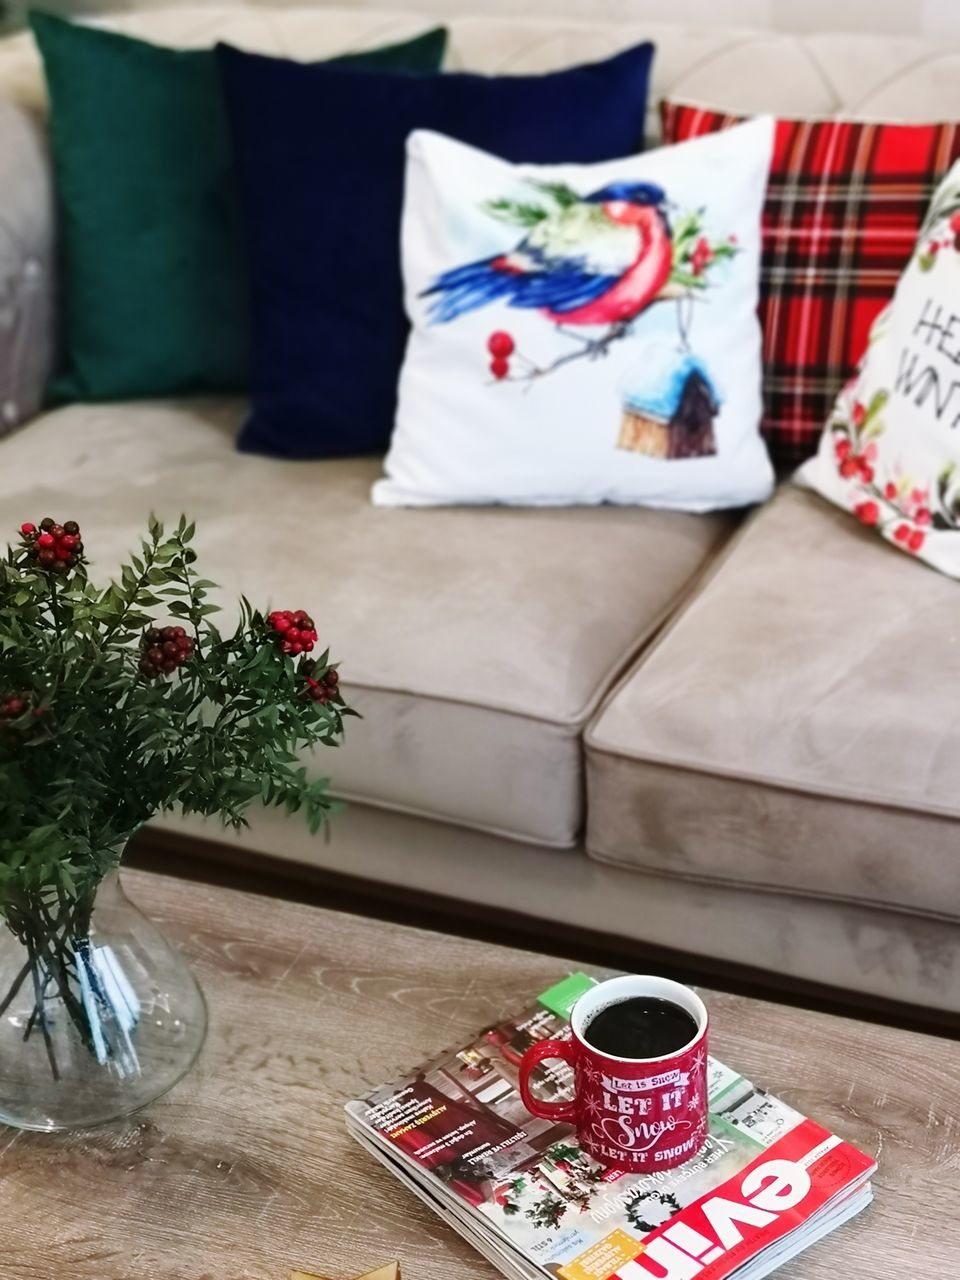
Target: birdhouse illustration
[{"x": 670, "y": 402}]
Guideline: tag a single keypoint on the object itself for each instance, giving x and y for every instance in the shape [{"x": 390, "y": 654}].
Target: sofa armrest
[{"x": 27, "y": 321}]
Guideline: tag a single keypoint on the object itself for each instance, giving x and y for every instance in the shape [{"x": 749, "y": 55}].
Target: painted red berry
[
  {"x": 701, "y": 257},
  {"x": 842, "y": 449},
  {"x": 501, "y": 344},
  {"x": 916, "y": 540},
  {"x": 901, "y": 533},
  {"x": 858, "y": 414},
  {"x": 868, "y": 512},
  {"x": 499, "y": 367},
  {"x": 922, "y": 516},
  {"x": 866, "y": 473},
  {"x": 890, "y": 490},
  {"x": 849, "y": 467}
]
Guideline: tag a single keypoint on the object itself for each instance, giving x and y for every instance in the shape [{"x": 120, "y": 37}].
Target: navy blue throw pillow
[{"x": 320, "y": 154}]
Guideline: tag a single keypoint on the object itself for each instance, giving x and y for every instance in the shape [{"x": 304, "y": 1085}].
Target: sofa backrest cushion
[{"x": 738, "y": 68}]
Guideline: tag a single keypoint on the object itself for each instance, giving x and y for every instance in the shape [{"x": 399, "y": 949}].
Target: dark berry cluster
[
  {"x": 324, "y": 687},
  {"x": 53, "y": 546},
  {"x": 12, "y": 705},
  {"x": 294, "y": 630},
  {"x": 163, "y": 650}
]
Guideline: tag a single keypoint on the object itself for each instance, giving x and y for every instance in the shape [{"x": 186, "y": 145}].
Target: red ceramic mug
[{"x": 637, "y": 1114}]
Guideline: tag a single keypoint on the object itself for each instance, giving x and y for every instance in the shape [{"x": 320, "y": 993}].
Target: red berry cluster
[
  {"x": 53, "y": 546},
  {"x": 326, "y": 688},
  {"x": 701, "y": 257},
  {"x": 501, "y": 347},
  {"x": 295, "y": 630},
  {"x": 163, "y": 650},
  {"x": 867, "y": 512},
  {"x": 910, "y": 539},
  {"x": 853, "y": 464},
  {"x": 951, "y": 241},
  {"x": 12, "y": 705}
]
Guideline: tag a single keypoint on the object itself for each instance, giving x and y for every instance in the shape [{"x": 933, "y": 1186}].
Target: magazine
[{"x": 767, "y": 1184}]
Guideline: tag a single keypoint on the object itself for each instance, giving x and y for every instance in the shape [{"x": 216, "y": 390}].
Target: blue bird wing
[{"x": 567, "y": 261}]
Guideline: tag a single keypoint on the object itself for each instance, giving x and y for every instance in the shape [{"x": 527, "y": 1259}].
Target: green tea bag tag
[{"x": 561, "y": 998}]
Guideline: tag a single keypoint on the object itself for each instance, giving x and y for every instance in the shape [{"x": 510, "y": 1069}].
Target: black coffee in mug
[{"x": 640, "y": 1027}]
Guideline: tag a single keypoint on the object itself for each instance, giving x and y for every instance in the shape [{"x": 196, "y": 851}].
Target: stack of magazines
[{"x": 767, "y": 1184}]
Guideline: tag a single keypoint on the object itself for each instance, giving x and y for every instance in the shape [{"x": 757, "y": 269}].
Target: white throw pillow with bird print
[{"x": 582, "y": 333}]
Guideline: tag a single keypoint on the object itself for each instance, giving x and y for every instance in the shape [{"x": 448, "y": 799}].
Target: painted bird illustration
[{"x": 599, "y": 259}]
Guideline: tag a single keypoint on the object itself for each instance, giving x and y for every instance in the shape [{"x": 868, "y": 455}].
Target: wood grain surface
[{"x": 245, "y": 1171}]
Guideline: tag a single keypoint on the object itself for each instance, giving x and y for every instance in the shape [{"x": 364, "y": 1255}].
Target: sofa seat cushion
[
  {"x": 795, "y": 727},
  {"x": 476, "y": 642}
]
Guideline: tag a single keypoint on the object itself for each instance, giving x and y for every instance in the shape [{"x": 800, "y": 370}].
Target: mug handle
[{"x": 537, "y": 1053}]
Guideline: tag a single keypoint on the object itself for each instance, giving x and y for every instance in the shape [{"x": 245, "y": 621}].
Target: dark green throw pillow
[{"x": 154, "y": 286}]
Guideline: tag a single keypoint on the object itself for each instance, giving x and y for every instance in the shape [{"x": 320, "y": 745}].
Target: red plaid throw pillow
[{"x": 844, "y": 205}]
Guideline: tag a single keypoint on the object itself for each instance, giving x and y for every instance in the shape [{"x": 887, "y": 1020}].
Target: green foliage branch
[{"x": 98, "y": 747}]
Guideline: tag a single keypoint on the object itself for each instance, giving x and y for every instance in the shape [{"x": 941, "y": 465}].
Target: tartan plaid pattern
[{"x": 844, "y": 204}]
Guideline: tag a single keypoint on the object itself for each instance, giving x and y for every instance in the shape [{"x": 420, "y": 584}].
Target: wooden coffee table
[{"x": 244, "y": 1171}]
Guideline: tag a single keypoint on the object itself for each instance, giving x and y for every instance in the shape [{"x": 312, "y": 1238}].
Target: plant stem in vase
[{"x": 110, "y": 714}]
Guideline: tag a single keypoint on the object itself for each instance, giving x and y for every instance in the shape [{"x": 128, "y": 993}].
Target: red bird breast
[{"x": 640, "y": 283}]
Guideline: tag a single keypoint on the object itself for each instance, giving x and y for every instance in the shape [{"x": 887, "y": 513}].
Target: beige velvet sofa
[{"x": 735, "y": 739}]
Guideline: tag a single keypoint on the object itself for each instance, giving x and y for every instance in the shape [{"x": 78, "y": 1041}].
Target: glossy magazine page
[{"x": 458, "y": 1129}]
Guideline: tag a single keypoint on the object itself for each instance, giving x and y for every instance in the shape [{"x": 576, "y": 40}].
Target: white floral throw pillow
[
  {"x": 890, "y": 453},
  {"x": 582, "y": 333}
]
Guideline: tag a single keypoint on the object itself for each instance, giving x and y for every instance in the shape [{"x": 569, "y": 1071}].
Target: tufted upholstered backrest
[{"x": 738, "y": 68}]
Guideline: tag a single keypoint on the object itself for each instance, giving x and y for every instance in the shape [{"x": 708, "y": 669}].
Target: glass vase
[{"x": 99, "y": 1014}]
